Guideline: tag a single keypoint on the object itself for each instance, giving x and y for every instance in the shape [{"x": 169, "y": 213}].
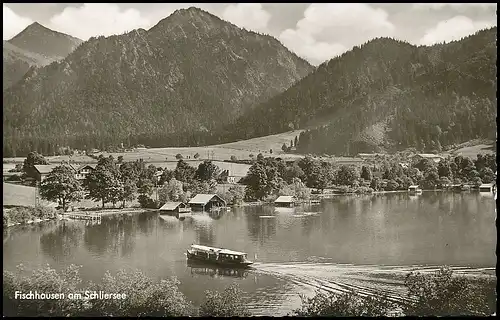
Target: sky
[{"x": 314, "y": 31}]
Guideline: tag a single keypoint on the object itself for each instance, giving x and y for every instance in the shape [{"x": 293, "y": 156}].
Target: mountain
[
  {"x": 387, "y": 95},
  {"x": 34, "y": 46},
  {"x": 183, "y": 78}
]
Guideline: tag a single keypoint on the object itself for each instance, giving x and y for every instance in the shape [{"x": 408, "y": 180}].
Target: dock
[{"x": 84, "y": 216}]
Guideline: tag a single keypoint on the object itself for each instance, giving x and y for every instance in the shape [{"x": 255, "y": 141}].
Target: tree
[
  {"x": 119, "y": 159},
  {"x": 103, "y": 182},
  {"x": 284, "y": 147},
  {"x": 346, "y": 175},
  {"x": 300, "y": 190},
  {"x": 196, "y": 155},
  {"x": 31, "y": 160},
  {"x": 179, "y": 156},
  {"x": 293, "y": 171},
  {"x": 233, "y": 158},
  {"x": 366, "y": 173},
  {"x": 431, "y": 179},
  {"x": 251, "y": 155},
  {"x": 129, "y": 190},
  {"x": 271, "y": 151},
  {"x": 171, "y": 192},
  {"x": 236, "y": 194},
  {"x": 487, "y": 175},
  {"x": 184, "y": 172},
  {"x": 207, "y": 171},
  {"x": 61, "y": 185},
  {"x": 260, "y": 157}
]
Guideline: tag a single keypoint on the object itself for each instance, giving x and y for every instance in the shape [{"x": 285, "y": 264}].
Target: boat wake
[{"x": 366, "y": 280}]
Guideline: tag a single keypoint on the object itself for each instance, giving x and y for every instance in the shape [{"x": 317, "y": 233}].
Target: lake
[{"x": 361, "y": 242}]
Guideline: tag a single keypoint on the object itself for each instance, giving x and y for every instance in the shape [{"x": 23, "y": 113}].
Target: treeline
[
  {"x": 438, "y": 294},
  {"x": 118, "y": 182},
  {"x": 271, "y": 177}
]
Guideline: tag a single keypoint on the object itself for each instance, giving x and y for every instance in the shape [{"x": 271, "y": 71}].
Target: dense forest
[
  {"x": 169, "y": 85},
  {"x": 388, "y": 94}
]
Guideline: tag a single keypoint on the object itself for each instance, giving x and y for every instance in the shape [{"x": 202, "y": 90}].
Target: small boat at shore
[
  {"x": 414, "y": 190},
  {"x": 218, "y": 256}
]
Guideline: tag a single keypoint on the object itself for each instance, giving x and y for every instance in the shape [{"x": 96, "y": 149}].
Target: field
[
  {"x": 18, "y": 195},
  {"x": 472, "y": 151},
  {"x": 240, "y": 149}
]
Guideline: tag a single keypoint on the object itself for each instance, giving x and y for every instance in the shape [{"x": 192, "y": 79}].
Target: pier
[{"x": 84, "y": 216}]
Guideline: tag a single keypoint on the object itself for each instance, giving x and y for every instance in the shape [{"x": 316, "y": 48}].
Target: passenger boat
[{"x": 218, "y": 256}]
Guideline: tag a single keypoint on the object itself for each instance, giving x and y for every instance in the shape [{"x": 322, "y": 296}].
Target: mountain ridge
[
  {"x": 35, "y": 46},
  {"x": 182, "y": 75}
]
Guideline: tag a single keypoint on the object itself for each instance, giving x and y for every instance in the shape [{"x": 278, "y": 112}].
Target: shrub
[
  {"x": 348, "y": 304},
  {"x": 442, "y": 294},
  {"x": 364, "y": 190},
  {"x": 226, "y": 304},
  {"x": 144, "y": 297}
]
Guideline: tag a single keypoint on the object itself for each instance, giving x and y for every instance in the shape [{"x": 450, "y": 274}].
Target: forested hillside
[
  {"x": 191, "y": 73},
  {"x": 35, "y": 46},
  {"x": 388, "y": 94}
]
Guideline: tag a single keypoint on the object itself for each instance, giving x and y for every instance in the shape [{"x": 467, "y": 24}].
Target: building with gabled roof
[{"x": 206, "y": 202}]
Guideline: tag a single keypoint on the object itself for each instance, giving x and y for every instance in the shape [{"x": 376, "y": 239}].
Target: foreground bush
[
  {"x": 24, "y": 214},
  {"x": 226, "y": 304},
  {"x": 348, "y": 304},
  {"x": 143, "y": 295},
  {"x": 443, "y": 294}
]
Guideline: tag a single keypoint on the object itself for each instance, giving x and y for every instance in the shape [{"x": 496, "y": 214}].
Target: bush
[
  {"x": 348, "y": 304},
  {"x": 364, "y": 190},
  {"x": 146, "y": 202},
  {"x": 143, "y": 295},
  {"x": 442, "y": 294},
  {"x": 226, "y": 304}
]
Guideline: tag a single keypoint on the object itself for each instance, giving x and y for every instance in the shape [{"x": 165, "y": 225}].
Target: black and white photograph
[{"x": 249, "y": 159}]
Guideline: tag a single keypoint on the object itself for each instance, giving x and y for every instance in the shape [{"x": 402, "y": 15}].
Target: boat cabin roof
[{"x": 218, "y": 250}]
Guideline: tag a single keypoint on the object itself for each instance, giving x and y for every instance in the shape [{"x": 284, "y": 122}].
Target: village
[{"x": 178, "y": 187}]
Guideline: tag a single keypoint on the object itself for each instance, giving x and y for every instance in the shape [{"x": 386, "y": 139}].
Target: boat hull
[{"x": 223, "y": 263}]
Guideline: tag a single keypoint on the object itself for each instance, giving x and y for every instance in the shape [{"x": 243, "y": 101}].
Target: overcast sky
[{"x": 317, "y": 31}]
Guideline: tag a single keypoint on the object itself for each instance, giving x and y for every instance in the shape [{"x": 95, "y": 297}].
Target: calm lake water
[{"x": 362, "y": 242}]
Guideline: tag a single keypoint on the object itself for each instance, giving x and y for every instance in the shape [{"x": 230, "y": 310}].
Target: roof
[
  {"x": 92, "y": 165},
  {"x": 429, "y": 155},
  {"x": 219, "y": 250},
  {"x": 204, "y": 198},
  {"x": 285, "y": 199},
  {"x": 414, "y": 186},
  {"x": 169, "y": 206},
  {"x": 487, "y": 185},
  {"x": 46, "y": 168}
]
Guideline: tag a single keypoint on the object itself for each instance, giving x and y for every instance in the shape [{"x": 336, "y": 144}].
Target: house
[
  {"x": 206, "y": 202},
  {"x": 487, "y": 187},
  {"x": 285, "y": 201},
  {"x": 43, "y": 170},
  {"x": 226, "y": 177},
  {"x": 82, "y": 171},
  {"x": 174, "y": 208},
  {"x": 434, "y": 157}
]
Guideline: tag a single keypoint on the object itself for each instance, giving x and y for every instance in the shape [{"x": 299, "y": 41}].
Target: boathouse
[
  {"x": 206, "y": 202},
  {"x": 285, "y": 201},
  {"x": 174, "y": 208},
  {"x": 487, "y": 187}
]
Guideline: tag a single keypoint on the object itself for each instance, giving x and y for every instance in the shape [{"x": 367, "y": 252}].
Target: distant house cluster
[{"x": 80, "y": 171}]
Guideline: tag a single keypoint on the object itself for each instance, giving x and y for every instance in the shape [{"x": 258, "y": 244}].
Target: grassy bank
[{"x": 438, "y": 294}]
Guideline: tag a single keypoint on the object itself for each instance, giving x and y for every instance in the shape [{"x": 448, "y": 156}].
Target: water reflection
[
  {"x": 261, "y": 223},
  {"x": 115, "y": 236},
  {"x": 62, "y": 240},
  {"x": 199, "y": 268}
]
